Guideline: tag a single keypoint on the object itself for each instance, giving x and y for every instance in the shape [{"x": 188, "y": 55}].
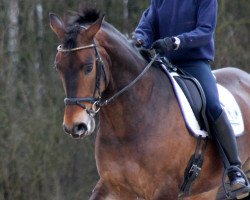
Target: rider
[{"x": 183, "y": 31}]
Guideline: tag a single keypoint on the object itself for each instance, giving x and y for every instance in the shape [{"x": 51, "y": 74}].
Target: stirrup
[{"x": 238, "y": 193}]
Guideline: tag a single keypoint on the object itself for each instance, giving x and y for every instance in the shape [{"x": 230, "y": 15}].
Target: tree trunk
[
  {"x": 125, "y": 16},
  {"x": 13, "y": 30},
  {"x": 40, "y": 31}
]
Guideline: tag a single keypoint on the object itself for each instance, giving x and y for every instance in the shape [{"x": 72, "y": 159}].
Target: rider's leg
[{"x": 222, "y": 128}]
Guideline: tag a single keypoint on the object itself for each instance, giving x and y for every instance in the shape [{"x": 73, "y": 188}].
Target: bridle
[
  {"x": 100, "y": 70},
  {"x": 98, "y": 102}
]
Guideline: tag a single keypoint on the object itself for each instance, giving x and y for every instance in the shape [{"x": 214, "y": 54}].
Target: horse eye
[{"x": 88, "y": 68}]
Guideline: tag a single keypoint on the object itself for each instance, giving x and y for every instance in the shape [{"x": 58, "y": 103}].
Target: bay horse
[{"x": 142, "y": 144}]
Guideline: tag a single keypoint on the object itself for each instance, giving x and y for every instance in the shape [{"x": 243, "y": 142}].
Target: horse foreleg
[{"x": 100, "y": 192}]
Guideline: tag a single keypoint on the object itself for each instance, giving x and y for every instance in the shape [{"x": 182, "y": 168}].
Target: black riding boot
[{"x": 226, "y": 138}]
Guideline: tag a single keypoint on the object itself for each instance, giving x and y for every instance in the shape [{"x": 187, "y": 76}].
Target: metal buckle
[{"x": 195, "y": 169}]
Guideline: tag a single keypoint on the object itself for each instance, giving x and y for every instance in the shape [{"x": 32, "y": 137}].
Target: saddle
[{"x": 192, "y": 101}]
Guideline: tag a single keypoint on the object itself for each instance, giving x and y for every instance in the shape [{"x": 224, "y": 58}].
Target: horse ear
[
  {"x": 57, "y": 25},
  {"x": 94, "y": 28}
]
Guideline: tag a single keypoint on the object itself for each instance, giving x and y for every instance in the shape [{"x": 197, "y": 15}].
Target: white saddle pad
[{"x": 228, "y": 103}]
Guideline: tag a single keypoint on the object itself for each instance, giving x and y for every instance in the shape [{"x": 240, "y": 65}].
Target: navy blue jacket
[{"x": 192, "y": 21}]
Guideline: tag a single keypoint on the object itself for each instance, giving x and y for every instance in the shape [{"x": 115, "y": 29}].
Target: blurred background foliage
[{"x": 37, "y": 160}]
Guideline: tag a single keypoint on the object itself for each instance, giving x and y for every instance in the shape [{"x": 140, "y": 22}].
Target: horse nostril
[
  {"x": 80, "y": 128},
  {"x": 77, "y": 131}
]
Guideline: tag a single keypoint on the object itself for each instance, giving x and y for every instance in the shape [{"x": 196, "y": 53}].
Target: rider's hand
[
  {"x": 137, "y": 42},
  {"x": 164, "y": 45}
]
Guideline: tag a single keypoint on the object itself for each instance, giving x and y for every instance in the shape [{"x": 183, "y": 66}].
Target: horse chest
[
  {"x": 125, "y": 168},
  {"x": 124, "y": 174}
]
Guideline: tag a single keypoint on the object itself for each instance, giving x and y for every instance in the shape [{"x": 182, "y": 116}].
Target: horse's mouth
[{"x": 79, "y": 136}]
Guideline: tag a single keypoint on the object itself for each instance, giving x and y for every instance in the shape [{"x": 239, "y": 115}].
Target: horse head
[{"x": 82, "y": 71}]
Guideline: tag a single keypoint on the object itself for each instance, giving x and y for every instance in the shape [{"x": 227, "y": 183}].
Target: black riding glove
[
  {"x": 145, "y": 53},
  {"x": 164, "y": 45}
]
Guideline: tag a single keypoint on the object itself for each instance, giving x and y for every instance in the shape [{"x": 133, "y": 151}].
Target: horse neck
[
  {"x": 137, "y": 104},
  {"x": 126, "y": 63}
]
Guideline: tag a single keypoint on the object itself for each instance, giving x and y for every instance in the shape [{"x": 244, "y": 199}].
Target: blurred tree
[
  {"x": 13, "y": 31},
  {"x": 232, "y": 35},
  {"x": 125, "y": 16}
]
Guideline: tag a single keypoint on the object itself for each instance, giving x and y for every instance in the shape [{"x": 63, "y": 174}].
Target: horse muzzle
[{"x": 80, "y": 130}]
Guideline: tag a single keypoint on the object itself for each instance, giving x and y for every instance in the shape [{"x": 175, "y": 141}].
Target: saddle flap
[{"x": 193, "y": 96}]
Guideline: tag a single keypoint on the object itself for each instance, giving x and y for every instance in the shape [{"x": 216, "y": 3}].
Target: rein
[
  {"x": 107, "y": 101},
  {"x": 97, "y": 103}
]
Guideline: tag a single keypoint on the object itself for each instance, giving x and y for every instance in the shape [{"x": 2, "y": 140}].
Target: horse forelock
[
  {"x": 75, "y": 24},
  {"x": 88, "y": 15}
]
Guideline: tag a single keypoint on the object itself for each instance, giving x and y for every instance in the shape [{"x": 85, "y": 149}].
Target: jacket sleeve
[
  {"x": 205, "y": 27},
  {"x": 146, "y": 29}
]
